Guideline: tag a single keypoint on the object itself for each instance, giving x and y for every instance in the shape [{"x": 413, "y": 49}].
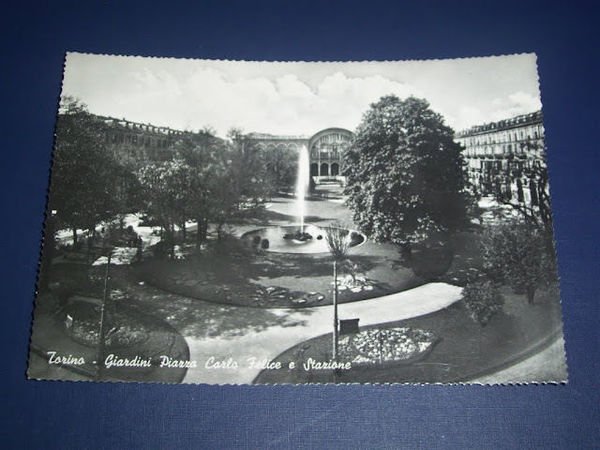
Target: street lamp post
[
  {"x": 338, "y": 243},
  {"x": 335, "y": 312},
  {"x": 102, "y": 331}
]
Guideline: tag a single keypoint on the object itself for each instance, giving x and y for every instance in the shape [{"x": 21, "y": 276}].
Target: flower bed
[
  {"x": 357, "y": 283},
  {"x": 382, "y": 346},
  {"x": 82, "y": 324},
  {"x": 280, "y": 296}
]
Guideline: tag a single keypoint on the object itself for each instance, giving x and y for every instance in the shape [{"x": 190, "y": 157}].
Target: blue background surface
[{"x": 88, "y": 415}]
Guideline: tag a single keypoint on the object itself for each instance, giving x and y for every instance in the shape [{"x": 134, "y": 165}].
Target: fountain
[
  {"x": 305, "y": 238},
  {"x": 302, "y": 183}
]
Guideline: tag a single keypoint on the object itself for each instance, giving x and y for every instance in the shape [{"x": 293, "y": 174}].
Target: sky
[{"x": 296, "y": 98}]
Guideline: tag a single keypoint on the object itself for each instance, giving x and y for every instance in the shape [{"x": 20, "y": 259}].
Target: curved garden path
[{"x": 296, "y": 326}]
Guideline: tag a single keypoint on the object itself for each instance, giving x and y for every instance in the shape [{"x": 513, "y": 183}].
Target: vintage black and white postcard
[{"x": 238, "y": 222}]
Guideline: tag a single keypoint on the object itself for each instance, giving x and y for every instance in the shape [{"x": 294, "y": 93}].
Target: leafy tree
[
  {"x": 128, "y": 196},
  {"x": 281, "y": 164},
  {"x": 84, "y": 174},
  {"x": 539, "y": 212},
  {"x": 249, "y": 177},
  {"x": 165, "y": 186},
  {"x": 209, "y": 195},
  {"x": 517, "y": 253},
  {"x": 482, "y": 300},
  {"x": 405, "y": 174}
]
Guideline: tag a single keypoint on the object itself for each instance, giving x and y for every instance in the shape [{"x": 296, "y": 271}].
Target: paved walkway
[
  {"x": 544, "y": 365},
  {"x": 298, "y": 325}
]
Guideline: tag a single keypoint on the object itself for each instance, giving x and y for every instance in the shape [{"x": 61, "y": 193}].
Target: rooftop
[{"x": 505, "y": 124}]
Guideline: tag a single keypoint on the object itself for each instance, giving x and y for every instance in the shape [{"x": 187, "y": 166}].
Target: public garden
[
  {"x": 424, "y": 283},
  {"x": 232, "y": 300}
]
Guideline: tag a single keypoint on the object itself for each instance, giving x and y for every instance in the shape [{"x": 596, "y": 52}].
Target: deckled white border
[{"x": 562, "y": 335}]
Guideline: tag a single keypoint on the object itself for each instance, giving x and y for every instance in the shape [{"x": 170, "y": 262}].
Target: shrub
[
  {"x": 161, "y": 249},
  {"x": 431, "y": 262},
  {"x": 256, "y": 241},
  {"x": 482, "y": 300},
  {"x": 520, "y": 255},
  {"x": 230, "y": 245},
  {"x": 264, "y": 244}
]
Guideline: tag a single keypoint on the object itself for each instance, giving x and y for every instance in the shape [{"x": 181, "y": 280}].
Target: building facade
[
  {"x": 326, "y": 150},
  {"x": 135, "y": 144},
  {"x": 504, "y": 159}
]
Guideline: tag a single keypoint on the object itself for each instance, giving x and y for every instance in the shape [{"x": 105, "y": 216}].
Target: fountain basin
[{"x": 290, "y": 239}]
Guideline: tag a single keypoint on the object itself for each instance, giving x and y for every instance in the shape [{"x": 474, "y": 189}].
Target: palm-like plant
[{"x": 338, "y": 241}]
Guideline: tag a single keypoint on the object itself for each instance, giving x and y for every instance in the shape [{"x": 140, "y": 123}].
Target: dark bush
[
  {"x": 264, "y": 244},
  {"x": 482, "y": 300},
  {"x": 431, "y": 262},
  {"x": 161, "y": 249},
  {"x": 520, "y": 255}
]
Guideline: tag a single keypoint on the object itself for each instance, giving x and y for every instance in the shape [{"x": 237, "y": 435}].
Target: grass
[
  {"x": 241, "y": 277},
  {"x": 232, "y": 274},
  {"x": 50, "y": 334},
  {"x": 465, "y": 349}
]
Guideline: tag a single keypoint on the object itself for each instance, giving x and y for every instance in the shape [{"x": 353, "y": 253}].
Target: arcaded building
[
  {"x": 505, "y": 158},
  {"x": 136, "y": 144},
  {"x": 326, "y": 149}
]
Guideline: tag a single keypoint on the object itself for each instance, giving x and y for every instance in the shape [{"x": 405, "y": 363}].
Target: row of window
[
  {"x": 324, "y": 170},
  {"x": 135, "y": 139},
  {"x": 534, "y": 132},
  {"x": 332, "y": 138},
  {"x": 498, "y": 150},
  {"x": 498, "y": 166}
]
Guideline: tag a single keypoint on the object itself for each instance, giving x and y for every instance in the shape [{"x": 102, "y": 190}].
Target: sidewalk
[
  {"x": 550, "y": 359},
  {"x": 296, "y": 326}
]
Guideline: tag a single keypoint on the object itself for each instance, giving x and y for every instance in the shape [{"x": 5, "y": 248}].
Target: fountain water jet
[
  {"x": 308, "y": 238},
  {"x": 302, "y": 183}
]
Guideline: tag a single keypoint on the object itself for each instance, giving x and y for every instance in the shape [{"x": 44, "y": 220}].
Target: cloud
[
  {"x": 467, "y": 117},
  {"x": 515, "y": 104},
  {"x": 498, "y": 108},
  {"x": 296, "y": 98},
  {"x": 282, "y": 105}
]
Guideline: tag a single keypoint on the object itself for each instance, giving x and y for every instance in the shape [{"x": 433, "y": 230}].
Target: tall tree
[
  {"x": 250, "y": 178},
  {"x": 405, "y": 174},
  {"x": 128, "y": 196},
  {"x": 209, "y": 195},
  {"x": 538, "y": 212},
  {"x": 165, "y": 186},
  {"x": 517, "y": 254},
  {"x": 84, "y": 174},
  {"x": 281, "y": 164}
]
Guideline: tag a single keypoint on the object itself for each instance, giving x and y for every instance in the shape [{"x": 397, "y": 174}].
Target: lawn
[
  {"x": 464, "y": 349},
  {"x": 260, "y": 279},
  {"x": 232, "y": 273},
  {"x": 136, "y": 334}
]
